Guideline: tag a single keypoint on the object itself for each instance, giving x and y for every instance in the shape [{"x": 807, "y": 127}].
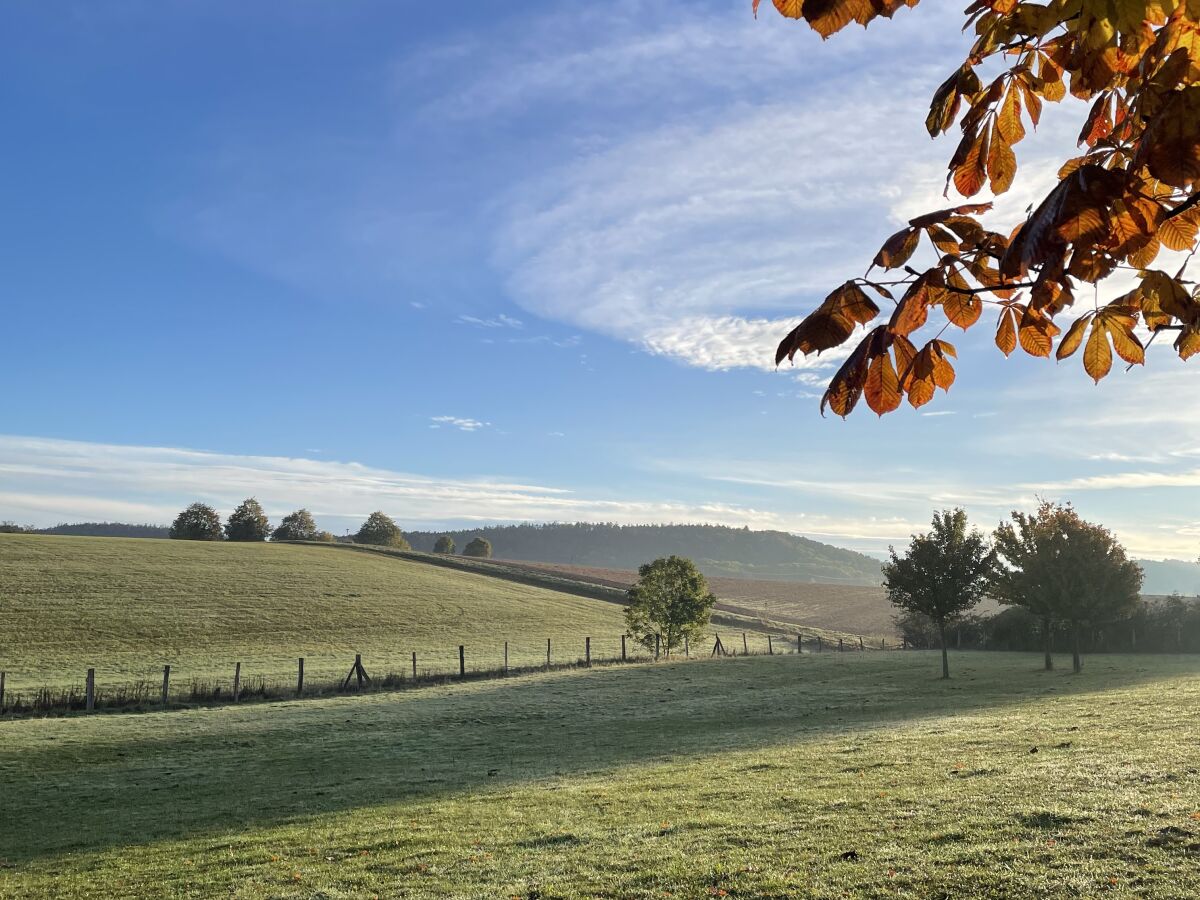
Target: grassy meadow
[
  {"x": 856, "y": 775},
  {"x": 127, "y": 607}
]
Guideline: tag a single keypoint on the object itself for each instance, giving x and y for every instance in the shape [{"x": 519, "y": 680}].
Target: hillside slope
[
  {"x": 717, "y": 549},
  {"x": 847, "y": 609},
  {"x": 129, "y": 606}
]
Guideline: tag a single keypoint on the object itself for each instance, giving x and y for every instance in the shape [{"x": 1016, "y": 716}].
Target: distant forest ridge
[
  {"x": 104, "y": 529},
  {"x": 717, "y": 549}
]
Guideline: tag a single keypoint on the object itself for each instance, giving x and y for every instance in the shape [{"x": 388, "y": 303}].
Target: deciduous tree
[
  {"x": 671, "y": 600},
  {"x": 248, "y": 522},
  {"x": 296, "y": 526},
  {"x": 479, "y": 547},
  {"x": 445, "y": 544},
  {"x": 199, "y": 522},
  {"x": 379, "y": 529},
  {"x": 1133, "y": 192},
  {"x": 942, "y": 575},
  {"x": 1059, "y": 566}
]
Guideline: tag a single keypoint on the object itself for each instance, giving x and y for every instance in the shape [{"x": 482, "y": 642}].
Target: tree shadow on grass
[{"x": 89, "y": 783}]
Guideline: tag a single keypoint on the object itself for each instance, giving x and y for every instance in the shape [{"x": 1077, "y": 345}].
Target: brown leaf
[
  {"x": 913, "y": 309},
  {"x": 1171, "y": 145},
  {"x": 898, "y": 249},
  {"x": 830, "y": 324},
  {"x": 969, "y": 177},
  {"x": 1036, "y": 333},
  {"x": 1001, "y": 162},
  {"x": 1125, "y": 342},
  {"x": 1008, "y": 121},
  {"x": 1179, "y": 232},
  {"x": 1006, "y": 331},
  {"x": 1097, "y": 355},
  {"x": 1074, "y": 337},
  {"x": 962, "y": 309},
  {"x": 847, "y": 384},
  {"x": 1188, "y": 343},
  {"x": 882, "y": 388}
]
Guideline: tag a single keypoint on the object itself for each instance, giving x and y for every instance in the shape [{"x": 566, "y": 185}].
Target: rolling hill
[
  {"x": 128, "y": 606},
  {"x": 716, "y": 549}
]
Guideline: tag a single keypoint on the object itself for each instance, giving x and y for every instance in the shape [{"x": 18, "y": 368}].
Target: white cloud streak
[{"x": 45, "y": 481}]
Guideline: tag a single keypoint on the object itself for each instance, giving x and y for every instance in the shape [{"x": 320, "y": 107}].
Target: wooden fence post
[
  {"x": 506, "y": 657},
  {"x": 820, "y": 644},
  {"x": 770, "y": 647},
  {"x": 237, "y": 682},
  {"x": 623, "y": 656},
  {"x": 1, "y": 692},
  {"x": 414, "y": 665},
  {"x": 883, "y": 644},
  {"x": 166, "y": 688},
  {"x": 587, "y": 651},
  {"x": 299, "y": 676},
  {"x": 841, "y": 647},
  {"x": 799, "y": 643},
  {"x": 91, "y": 689},
  {"x": 861, "y": 646},
  {"x": 547, "y": 654},
  {"x": 462, "y": 662},
  {"x": 687, "y": 648},
  {"x": 657, "y": 644},
  {"x": 745, "y": 646}
]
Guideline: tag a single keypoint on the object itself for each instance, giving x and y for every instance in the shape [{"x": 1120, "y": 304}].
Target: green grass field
[
  {"x": 857, "y": 775},
  {"x": 127, "y": 607}
]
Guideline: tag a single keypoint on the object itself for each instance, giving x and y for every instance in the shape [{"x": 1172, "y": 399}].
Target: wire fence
[{"x": 325, "y": 676}]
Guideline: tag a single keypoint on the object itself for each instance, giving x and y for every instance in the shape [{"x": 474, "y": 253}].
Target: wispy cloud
[
  {"x": 459, "y": 423},
  {"x": 498, "y": 321},
  {"x": 45, "y": 481}
]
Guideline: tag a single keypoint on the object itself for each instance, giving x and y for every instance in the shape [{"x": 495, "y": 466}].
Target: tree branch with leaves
[{"x": 1133, "y": 191}]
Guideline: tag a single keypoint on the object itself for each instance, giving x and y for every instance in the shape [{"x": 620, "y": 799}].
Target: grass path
[{"x": 860, "y": 775}]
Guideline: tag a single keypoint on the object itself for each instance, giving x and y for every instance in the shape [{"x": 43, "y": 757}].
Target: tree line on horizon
[{"x": 249, "y": 523}]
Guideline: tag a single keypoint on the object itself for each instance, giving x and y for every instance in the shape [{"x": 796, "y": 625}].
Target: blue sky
[{"x": 515, "y": 261}]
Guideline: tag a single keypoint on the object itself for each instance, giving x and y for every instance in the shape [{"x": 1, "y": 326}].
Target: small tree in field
[
  {"x": 445, "y": 544},
  {"x": 479, "y": 547},
  {"x": 296, "y": 526},
  {"x": 248, "y": 523},
  {"x": 379, "y": 529},
  {"x": 1028, "y": 551},
  {"x": 670, "y": 599},
  {"x": 942, "y": 574},
  {"x": 199, "y": 522},
  {"x": 1060, "y": 567}
]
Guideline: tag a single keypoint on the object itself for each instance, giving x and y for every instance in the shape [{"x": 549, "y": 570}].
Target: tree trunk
[
  {"x": 945, "y": 655},
  {"x": 1076, "y": 662},
  {"x": 1047, "y": 638}
]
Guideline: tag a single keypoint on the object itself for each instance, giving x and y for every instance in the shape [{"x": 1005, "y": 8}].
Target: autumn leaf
[
  {"x": 882, "y": 387},
  {"x": 970, "y": 175},
  {"x": 1006, "y": 331},
  {"x": 1074, "y": 337},
  {"x": 1001, "y": 163},
  {"x": 829, "y": 324},
  {"x": 898, "y": 249},
  {"x": 1097, "y": 355},
  {"x": 1188, "y": 343}
]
